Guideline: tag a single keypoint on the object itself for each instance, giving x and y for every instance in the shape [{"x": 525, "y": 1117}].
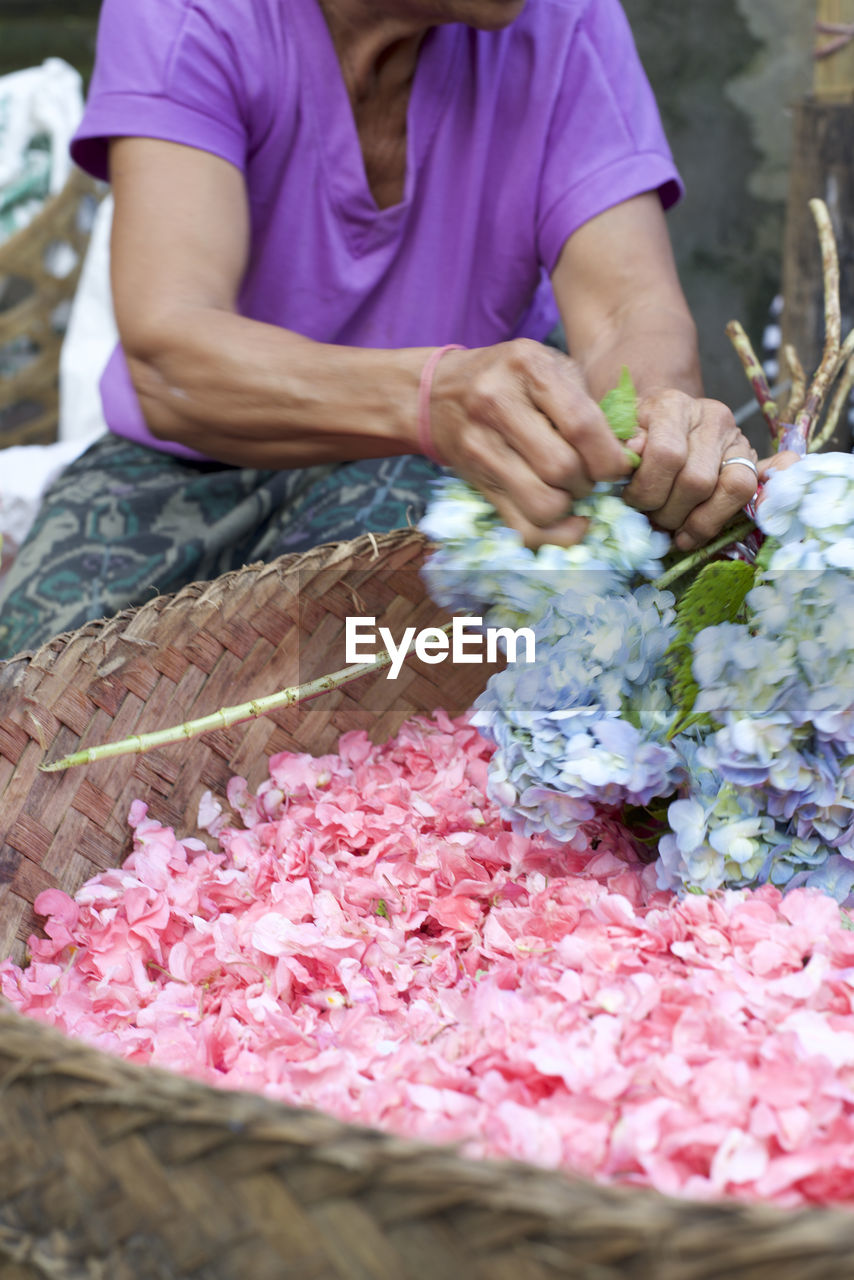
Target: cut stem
[
  {"x": 702, "y": 554},
  {"x": 830, "y": 274},
  {"x": 795, "y": 369},
  {"x": 756, "y": 374},
  {"x": 799, "y": 437},
  {"x": 831, "y": 359},
  {"x": 836, "y": 408},
  {"x": 226, "y": 716}
]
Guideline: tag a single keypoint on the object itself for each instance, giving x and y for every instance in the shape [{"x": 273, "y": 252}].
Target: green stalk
[
  {"x": 799, "y": 381},
  {"x": 837, "y": 405},
  {"x": 833, "y": 357},
  {"x": 756, "y": 376},
  {"x": 702, "y": 554},
  {"x": 226, "y": 716}
]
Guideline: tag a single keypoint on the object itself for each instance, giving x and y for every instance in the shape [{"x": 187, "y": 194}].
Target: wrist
[
  {"x": 381, "y": 388},
  {"x": 424, "y": 425},
  {"x": 663, "y": 359}
]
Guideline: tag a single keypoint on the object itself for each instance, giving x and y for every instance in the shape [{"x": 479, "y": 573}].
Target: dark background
[{"x": 32, "y": 30}]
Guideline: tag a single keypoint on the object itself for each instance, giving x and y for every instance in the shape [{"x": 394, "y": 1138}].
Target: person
[{"x": 315, "y": 200}]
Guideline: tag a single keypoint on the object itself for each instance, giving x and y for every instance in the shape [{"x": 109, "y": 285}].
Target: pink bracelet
[{"x": 425, "y": 434}]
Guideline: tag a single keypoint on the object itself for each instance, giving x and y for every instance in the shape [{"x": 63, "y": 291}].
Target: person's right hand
[{"x": 517, "y": 421}]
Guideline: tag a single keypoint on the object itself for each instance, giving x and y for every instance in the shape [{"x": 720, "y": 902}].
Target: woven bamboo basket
[
  {"x": 115, "y": 1172},
  {"x": 33, "y": 311}
]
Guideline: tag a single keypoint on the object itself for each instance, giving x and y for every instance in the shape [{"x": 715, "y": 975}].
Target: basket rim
[
  {"x": 116, "y": 626},
  {"x": 513, "y": 1186}
]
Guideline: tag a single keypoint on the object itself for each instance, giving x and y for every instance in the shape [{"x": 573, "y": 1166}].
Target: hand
[
  {"x": 517, "y": 421},
  {"x": 679, "y": 483},
  {"x": 777, "y": 462}
]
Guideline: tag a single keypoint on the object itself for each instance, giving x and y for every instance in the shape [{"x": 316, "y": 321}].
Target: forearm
[
  {"x": 622, "y": 304},
  {"x": 657, "y": 344},
  {"x": 252, "y": 394}
]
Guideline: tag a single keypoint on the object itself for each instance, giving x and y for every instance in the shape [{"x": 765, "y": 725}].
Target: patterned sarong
[{"x": 125, "y": 523}]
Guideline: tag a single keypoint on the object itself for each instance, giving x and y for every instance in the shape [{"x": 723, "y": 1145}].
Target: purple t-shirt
[{"x": 515, "y": 138}]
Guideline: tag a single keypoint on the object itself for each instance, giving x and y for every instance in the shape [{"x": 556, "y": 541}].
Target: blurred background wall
[
  {"x": 725, "y": 72},
  {"x": 32, "y": 30}
]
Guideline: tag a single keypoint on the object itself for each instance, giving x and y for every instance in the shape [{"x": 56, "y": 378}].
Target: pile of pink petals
[{"x": 376, "y": 944}]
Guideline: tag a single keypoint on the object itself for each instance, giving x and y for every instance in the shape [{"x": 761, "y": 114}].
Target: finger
[
  {"x": 777, "y": 462},
  {"x": 507, "y": 479},
  {"x": 696, "y": 482},
  {"x": 531, "y": 436},
  {"x": 704, "y": 431},
  {"x": 565, "y": 533},
  {"x": 561, "y": 395},
  {"x": 666, "y": 423},
  {"x": 499, "y": 396},
  {"x": 735, "y": 488}
]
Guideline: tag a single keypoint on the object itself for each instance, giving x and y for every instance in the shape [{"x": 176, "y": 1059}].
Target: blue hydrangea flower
[
  {"x": 809, "y": 508},
  {"x": 484, "y": 568},
  {"x": 761, "y": 788}
]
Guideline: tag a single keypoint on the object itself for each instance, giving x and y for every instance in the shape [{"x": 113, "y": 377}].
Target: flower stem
[
  {"x": 799, "y": 382},
  {"x": 756, "y": 375},
  {"x": 837, "y": 405},
  {"x": 226, "y": 716},
  {"x": 702, "y": 554},
  {"x": 833, "y": 358}
]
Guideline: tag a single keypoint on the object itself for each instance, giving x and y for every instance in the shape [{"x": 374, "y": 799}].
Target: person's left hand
[{"x": 681, "y": 484}]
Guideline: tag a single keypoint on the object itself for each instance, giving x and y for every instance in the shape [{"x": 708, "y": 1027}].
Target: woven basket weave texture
[
  {"x": 114, "y": 1172},
  {"x": 32, "y": 314}
]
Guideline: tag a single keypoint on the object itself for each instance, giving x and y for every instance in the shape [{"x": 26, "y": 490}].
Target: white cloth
[
  {"x": 40, "y": 109},
  {"x": 89, "y": 339},
  {"x": 40, "y": 100}
]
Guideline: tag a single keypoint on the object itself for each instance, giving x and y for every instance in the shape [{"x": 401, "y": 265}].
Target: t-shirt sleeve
[
  {"x": 606, "y": 142},
  {"x": 164, "y": 69}
]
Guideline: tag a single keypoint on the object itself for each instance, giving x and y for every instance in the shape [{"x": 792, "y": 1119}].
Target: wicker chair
[{"x": 34, "y": 305}]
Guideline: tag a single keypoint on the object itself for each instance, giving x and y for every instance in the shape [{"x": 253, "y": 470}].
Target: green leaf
[
  {"x": 620, "y": 407},
  {"x": 716, "y": 595}
]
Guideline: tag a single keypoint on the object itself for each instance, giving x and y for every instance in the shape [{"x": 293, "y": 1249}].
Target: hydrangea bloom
[
  {"x": 809, "y": 509},
  {"x": 484, "y": 568},
  {"x": 761, "y": 771},
  {"x": 587, "y": 722},
  {"x": 780, "y": 689}
]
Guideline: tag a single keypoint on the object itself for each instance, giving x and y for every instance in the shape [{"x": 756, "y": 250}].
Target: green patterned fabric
[{"x": 124, "y": 523}]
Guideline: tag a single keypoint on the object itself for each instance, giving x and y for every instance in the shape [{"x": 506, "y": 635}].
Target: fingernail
[{"x": 685, "y": 542}]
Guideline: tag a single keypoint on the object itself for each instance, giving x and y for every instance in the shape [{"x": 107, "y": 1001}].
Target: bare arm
[
  {"x": 247, "y": 393},
  {"x": 621, "y": 301},
  {"x": 516, "y": 419},
  {"x": 254, "y": 394}
]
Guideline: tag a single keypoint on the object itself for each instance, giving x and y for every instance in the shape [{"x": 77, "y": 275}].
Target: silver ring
[{"x": 745, "y": 462}]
